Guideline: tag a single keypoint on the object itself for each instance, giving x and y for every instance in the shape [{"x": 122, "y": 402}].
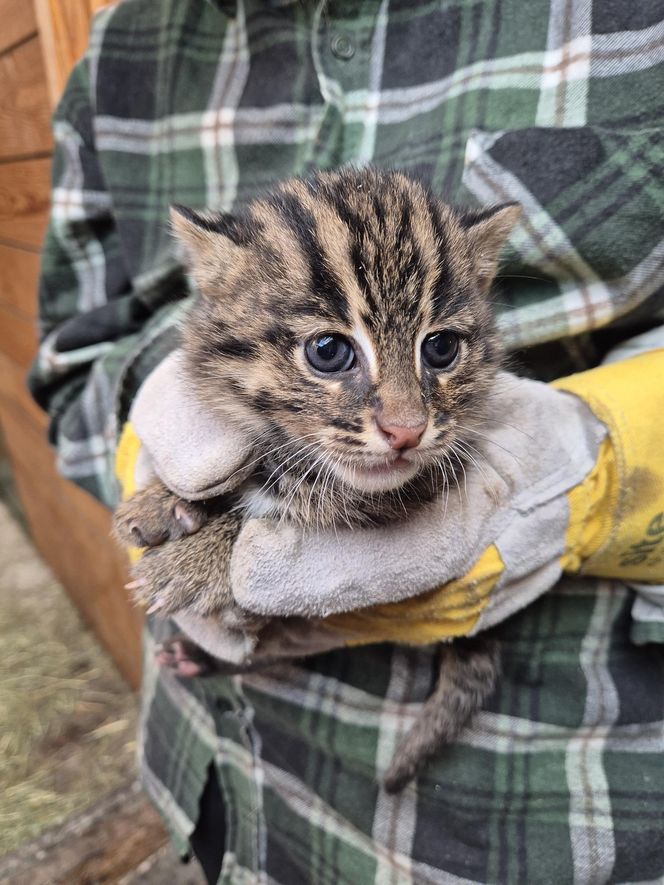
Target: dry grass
[{"x": 67, "y": 720}]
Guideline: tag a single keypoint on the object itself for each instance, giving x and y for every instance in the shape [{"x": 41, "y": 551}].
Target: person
[{"x": 272, "y": 775}]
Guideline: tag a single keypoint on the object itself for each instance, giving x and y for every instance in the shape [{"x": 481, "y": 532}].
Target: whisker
[
  {"x": 522, "y": 276},
  {"x": 297, "y": 486},
  {"x": 269, "y": 453},
  {"x": 492, "y": 419},
  {"x": 454, "y": 452},
  {"x": 453, "y": 473},
  {"x": 467, "y": 450},
  {"x": 305, "y": 452},
  {"x": 489, "y": 440}
]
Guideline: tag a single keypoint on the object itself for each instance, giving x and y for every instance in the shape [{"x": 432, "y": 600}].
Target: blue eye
[
  {"x": 440, "y": 349},
  {"x": 330, "y": 353}
]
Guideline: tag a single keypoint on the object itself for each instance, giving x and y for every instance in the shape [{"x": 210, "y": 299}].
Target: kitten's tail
[{"x": 467, "y": 676}]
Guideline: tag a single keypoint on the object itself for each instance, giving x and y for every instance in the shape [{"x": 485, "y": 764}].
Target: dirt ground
[{"x": 70, "y": 809}]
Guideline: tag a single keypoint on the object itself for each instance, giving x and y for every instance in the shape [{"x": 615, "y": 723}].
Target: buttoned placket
[{"x": 341, "y": 49}]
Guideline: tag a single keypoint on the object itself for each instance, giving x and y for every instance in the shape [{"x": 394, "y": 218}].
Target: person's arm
[{"x": 102, "y": 329}]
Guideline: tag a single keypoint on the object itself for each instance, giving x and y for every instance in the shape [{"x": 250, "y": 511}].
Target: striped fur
[{"x": 370, "y": 255}]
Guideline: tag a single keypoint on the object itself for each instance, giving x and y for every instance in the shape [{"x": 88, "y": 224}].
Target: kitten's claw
[
  {"x": 135, "y": 585},
  {"x": 137, "y": 537},
  {"x": 189, "y": 515},
  {"x": 192, "y": 573},
  {"x": 154, "y": 608}
]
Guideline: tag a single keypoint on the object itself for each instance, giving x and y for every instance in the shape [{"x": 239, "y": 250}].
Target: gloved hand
[{"x": 565, "y": 481}]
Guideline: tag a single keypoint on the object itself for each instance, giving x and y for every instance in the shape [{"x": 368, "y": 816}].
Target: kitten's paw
[
  {"x": 155, "y": 515},
  {"x": 165, "y": 582},
  {"x": 193, "y": 573},
  {"x": 184, "y": 658}
]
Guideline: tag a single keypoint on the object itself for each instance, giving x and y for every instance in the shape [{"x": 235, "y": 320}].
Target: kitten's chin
[{"x": 383, "y": 476}]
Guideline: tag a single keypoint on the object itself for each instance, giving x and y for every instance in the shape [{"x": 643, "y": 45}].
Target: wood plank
[
  {"x": 18, "y": 22},
  {"x": 25, "y": 109},
  {"x": 14, "y": 389},
  {"x": 64, "y": 30},
  {"x": 19, "y": 279},
  {"x": 25, "y": 192},
  {"x": 72, "y": 533},
  {"x": 18, "y": 336}
]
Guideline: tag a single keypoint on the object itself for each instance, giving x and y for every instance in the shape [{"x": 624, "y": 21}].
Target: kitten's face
[{"x": 346, "y": 320}]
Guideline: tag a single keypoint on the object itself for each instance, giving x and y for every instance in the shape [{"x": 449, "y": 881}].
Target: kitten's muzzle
[{"x": 378, "y": 474}]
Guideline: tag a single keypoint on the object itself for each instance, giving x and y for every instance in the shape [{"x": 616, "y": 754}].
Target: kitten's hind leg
[{"x": 467, "y": 676}]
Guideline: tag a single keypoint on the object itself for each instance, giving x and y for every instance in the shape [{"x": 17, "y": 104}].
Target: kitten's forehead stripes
[
  {"x": 356, "y": 226},
  {"x": 400, "y": 221},
  {"x": 302, "y": 223}
]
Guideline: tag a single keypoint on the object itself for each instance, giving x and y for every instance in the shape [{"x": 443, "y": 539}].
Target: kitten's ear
[
  {"x": 210, "y": 241},
  {"x": 487, "y": 230}
]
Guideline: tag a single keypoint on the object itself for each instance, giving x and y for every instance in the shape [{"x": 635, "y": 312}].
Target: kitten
[{"x": 345, "y": 326}]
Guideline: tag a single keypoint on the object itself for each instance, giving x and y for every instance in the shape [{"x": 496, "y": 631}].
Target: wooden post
[
  {"x": 38, "y": 46},
  {"x": 63, "y": 31}
]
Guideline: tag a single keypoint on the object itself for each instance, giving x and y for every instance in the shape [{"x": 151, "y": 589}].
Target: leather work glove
[{"x": 570, "y": 479}]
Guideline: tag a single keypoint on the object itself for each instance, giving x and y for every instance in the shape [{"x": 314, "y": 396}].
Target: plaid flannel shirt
[{"x": 558, "y": 104}]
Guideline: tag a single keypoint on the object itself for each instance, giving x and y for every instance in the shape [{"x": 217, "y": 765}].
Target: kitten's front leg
[
  {"x": 190, "y": 545},
  {"x": 192, "y": 572},
  {"x": 467, "y": 676},
  {"x": 155, "y": 515}
]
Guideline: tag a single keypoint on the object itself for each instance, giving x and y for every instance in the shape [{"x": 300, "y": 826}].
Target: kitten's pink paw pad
[{"x": 183, "y": 658}]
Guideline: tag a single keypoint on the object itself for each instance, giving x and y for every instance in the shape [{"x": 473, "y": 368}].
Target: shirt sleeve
[{"x": 102, "y": 330}]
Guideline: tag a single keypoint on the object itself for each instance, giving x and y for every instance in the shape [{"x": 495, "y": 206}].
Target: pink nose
[{"x": 402, "y": 437}]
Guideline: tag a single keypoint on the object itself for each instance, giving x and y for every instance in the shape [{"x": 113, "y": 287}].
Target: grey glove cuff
[
  {"x": 214, "y": 637},
  {"x": 280, "y": 639}
]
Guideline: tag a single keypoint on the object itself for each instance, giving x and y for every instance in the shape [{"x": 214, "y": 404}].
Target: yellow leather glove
[{"x": 615, "y": 527}]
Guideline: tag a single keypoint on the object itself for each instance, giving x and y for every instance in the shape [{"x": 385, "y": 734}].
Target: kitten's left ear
[
  {"x": 487, "y": 230},
  {"x": 211, "y": 241}
]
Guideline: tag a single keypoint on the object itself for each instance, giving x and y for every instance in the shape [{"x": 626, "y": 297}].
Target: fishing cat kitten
[{"x": 344, "y": 325}]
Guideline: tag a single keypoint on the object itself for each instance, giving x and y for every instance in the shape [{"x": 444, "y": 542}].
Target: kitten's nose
[{"x": 402, "y": 437}]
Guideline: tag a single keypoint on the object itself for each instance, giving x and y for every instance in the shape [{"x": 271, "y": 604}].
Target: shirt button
[{"x": 342, "y": 47}]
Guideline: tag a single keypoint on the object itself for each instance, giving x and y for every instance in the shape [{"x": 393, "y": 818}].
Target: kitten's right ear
[{"x": 210, "y": 241}]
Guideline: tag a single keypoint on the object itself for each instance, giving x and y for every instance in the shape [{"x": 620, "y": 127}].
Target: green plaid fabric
[{"x": 558, "y": 104}]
